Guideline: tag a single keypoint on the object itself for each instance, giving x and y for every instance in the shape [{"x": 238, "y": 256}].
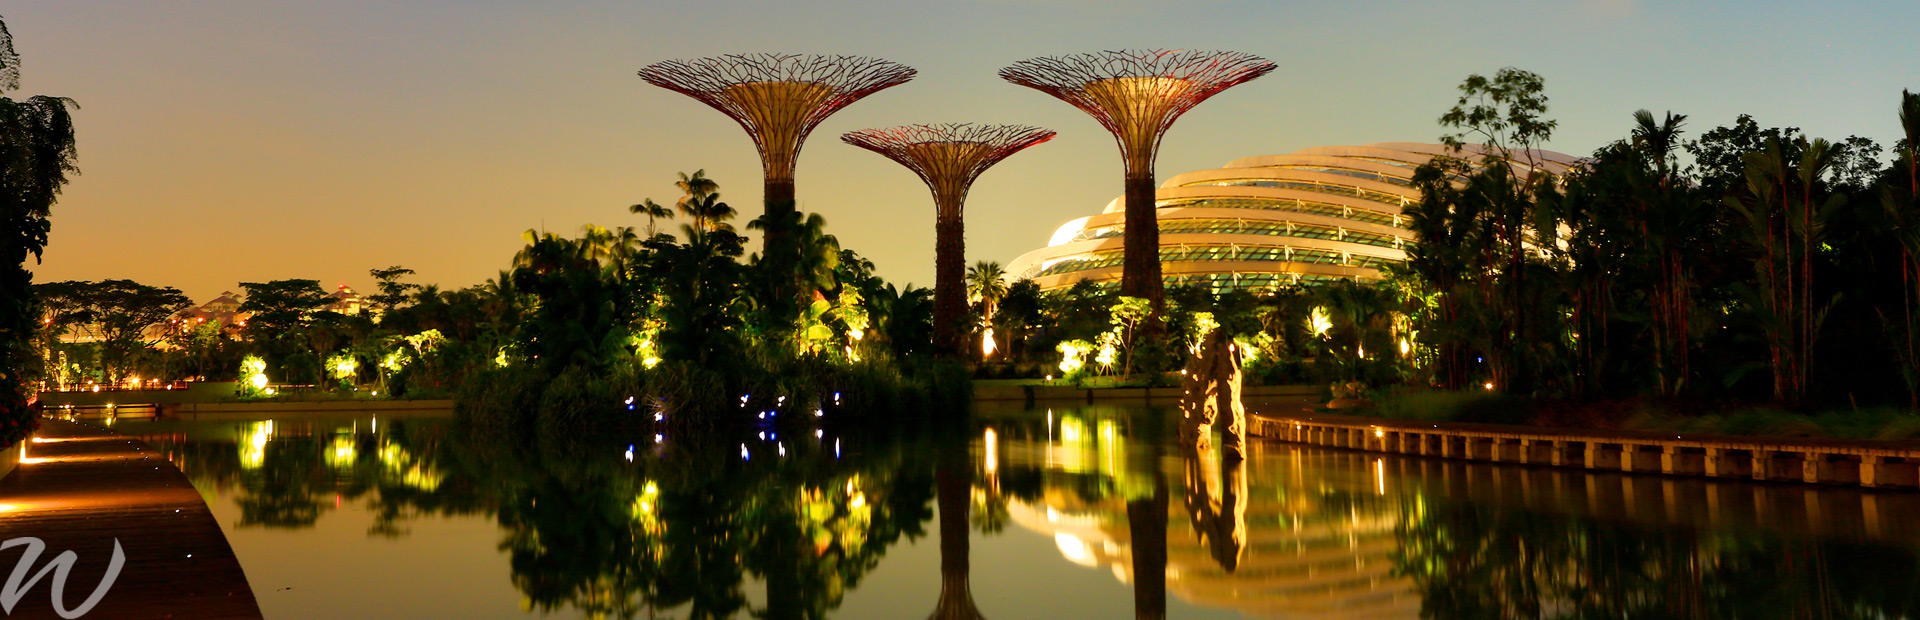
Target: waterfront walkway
[
  {"x": 1862, "y": 463},
  {"x": 81, "y": 488}
]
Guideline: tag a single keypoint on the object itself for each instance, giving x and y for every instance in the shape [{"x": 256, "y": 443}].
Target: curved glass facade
[{"x": 1312, "y": 216}]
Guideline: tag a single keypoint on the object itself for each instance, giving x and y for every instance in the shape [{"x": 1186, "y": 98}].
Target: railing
[{"x": 1811, "y": 461}]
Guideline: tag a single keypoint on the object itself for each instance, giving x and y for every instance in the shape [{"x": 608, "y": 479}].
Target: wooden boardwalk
[
  {"x": 81, "y": 488},
  {"x": 1875, "y": 464}
]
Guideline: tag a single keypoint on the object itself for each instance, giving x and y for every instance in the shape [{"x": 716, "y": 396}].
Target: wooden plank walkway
[
  {"x": 1877, "y": 464},
  {"x": 81, "y": 488}
]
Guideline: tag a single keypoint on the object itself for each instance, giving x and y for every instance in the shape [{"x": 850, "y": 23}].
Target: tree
[
  {"x": 1476, "y": 220},
  {"x": 986, "y": 285},
  {"x": 577, "y": 284},
  {"x": 653, "y": 210},
  {"x": 699, "y": 279},
  {"x": 1019, "y": 313},
  {"x": 1673, "y": 224},
  {"x": 36, "y": 155},
  {"x": 281, "y": 313},
  {"x": 1900, "y": 198},
  {"x": 1785, "y": 204},
  {"x": 121, "y": 313},
  {"x": 905, "y": 317},
  {"x": 393, "y": 292}
]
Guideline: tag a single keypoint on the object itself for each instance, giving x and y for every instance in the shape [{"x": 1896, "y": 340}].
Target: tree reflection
[
  {"x": 586, "y": 529},
  {"x": 1147, "y": 528},
  {"x": 1474, "y": 561},
  {"x": 954, "y": 489}
]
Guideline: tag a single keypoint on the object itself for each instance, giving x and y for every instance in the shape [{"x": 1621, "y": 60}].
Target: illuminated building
[{"x": 1258, "y": 223}]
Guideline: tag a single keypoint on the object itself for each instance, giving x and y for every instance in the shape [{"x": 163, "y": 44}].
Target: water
[{"x": 1083, "y": 512}]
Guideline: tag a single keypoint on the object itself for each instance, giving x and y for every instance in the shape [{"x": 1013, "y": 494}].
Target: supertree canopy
[
  {"x": 1137, "y": 94},
  {"x": 948, "y": 157},
  {"x": 777, "y": 98}
]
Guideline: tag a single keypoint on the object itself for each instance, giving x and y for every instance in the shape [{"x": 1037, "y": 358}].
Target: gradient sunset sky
[{"x": 239, "y": 140}]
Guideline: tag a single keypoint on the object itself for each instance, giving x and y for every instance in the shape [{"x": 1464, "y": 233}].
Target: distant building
[
  {"x": 1259, "y": 223},
  {"x": 346, "y": 301},
  {"x": 223, "y": 310}
]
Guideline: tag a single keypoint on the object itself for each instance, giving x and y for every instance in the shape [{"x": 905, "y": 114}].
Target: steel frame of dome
[{"x": 1258, "y": 223}]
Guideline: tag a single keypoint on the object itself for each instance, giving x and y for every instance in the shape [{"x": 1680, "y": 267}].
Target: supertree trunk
[
  {"x": 949, "y": 286},
  {"x": 1140, "y": 271}
]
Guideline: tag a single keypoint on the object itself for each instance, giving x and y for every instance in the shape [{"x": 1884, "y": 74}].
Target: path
[{"x": 80, "y": 489}]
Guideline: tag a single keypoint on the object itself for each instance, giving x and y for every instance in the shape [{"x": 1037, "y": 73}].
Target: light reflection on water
[{"x": 1069, "y": 512}]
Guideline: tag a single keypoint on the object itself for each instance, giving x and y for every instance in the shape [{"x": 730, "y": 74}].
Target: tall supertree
[
  {"x": 948, "y": 157},
  {"x": 1137, "y": 94},
  {"x": 778, "y": 99}
]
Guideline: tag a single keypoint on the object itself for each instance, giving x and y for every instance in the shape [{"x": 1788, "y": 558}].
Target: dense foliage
[
  {"x": 1769, "y": 269},
  {"x": 36, "y": 155}
]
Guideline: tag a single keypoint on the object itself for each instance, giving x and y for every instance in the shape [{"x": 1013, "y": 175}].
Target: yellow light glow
[
  {"x": 1074, "y": 549},
  {"x": 1380, "y": 476},
  {"x": 993, "y": 452},
  {"x": 1489, "y": 385},
  {"x": 986, "y": 343},
  {"x": 1318, "y": 322},
  {"x": 1379, "y": 433},
  {"x": 253, "y": 452},
  {"x": 343, "y": 452}
]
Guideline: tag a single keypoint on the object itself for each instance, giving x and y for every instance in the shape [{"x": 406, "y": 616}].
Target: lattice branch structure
[
  {"x": 1137, "y": 95},
  {"x": 948, "y": 157},
  {"x": 777, "y": 98}
]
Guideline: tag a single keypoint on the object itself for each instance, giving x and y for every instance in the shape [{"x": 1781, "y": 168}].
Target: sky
[{"x": 227, "y": 141}]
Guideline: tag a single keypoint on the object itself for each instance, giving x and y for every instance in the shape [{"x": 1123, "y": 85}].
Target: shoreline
[{"x": 1839, "y": 462}]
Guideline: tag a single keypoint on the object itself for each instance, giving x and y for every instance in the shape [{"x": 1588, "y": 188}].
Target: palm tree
[
  {"x": 986, "y": 285},
  {"x": 653, "y": 211},
  {"x": 1673, "y": 219},
  {"x": 1903, "y": 211},
  {"x": 695, "y": 186},
  {"x": 1785, "y": 213}
]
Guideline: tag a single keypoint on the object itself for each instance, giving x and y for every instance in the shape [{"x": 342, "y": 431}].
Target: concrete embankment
[
  {"x": 84, "y": 489},
  {"x": 1068, "y": 393},
  {"x": 1875, "y": 464},
  {"x": 223, "y": 411}
]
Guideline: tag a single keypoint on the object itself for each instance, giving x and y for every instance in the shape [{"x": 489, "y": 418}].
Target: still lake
[{"x": 1083, "y": 511}]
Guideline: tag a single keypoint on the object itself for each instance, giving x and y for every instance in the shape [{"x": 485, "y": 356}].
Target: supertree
[
  {"x": 948, "y": 157},
  {"x": 1137, "y": 94},
  {"x": 778, "y": 99}
]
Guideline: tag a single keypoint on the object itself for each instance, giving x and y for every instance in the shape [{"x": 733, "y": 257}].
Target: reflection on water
[
  {"x": 1308, "y": 532},
  {"x": 779, "y": 528}
]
